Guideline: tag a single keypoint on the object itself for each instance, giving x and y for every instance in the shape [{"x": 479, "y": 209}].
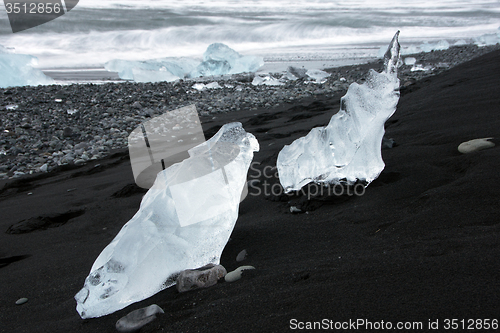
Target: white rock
[
  {"x": 236, "y": 274},
  {"x": 21, "y": 301},
  {"x": 241, "y": 256},
  {"x": 475, "y": 145},
  {"x": 138, "y": 318}
]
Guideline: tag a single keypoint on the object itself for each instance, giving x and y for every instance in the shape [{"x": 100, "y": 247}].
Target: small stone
[
  {"x": 202, "y": 277},
  {"x": 44, "y": 168},
  {"x": 241, "y": 256},
  {"x": 137, "y": 105},
  {"x": 136, "y": 319},
  {"x": 475, "y": 145},
  {"x": 294, "y": 209},
  {"x": 21, "y": 301},
  {"x": 67, "y": 132},
  {"x": 79, "y": 162},
  {"x": 236, "y": 274}
]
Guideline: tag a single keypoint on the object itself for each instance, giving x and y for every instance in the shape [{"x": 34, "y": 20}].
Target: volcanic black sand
[{"x": 422, "y": 244}]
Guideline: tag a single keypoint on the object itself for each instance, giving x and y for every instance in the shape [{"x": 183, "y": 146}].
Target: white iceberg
[
  {"x": 348, "y": 149},
  {"x": 17, "y": 70},
  {"x": 184, "y": 222},
  {"x": 487, "y": 39},
  {"x": 220, "y": 59}
]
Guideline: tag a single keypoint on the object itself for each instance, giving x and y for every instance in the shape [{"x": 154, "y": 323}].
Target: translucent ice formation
[
  {"x": 349, "y": 147},
  {"x": 154, "y": 70},
  {"x": 220, "y": 59},
  {"x": 17, "y": 70},
  {"x": 184, "y": 222}
]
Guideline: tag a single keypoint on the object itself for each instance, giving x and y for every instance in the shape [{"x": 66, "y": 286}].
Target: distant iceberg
[
  {"x": 218, "y": 59},
  {"x": 439, "y": 46},
  {"x": 154, "y": 70},
  {"x": 17, "y": 70},
  {"x": 487, "y": 39}
]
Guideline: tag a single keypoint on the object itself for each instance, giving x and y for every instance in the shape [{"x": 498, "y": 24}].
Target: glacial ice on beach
[
  {"x": 17, "y": 70},
  {"x": 184, "y": 222},
  {"x": 438, "y": 46},
  {"x": 154, "y": 70},
  {"x": 311, "y": 75},
  {"x": 267, "y": 80},
  {"x": 349, "y": 147},
  {"x": 220, "y": 59}
]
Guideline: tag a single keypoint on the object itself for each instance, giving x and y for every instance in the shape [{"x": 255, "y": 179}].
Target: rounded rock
[
  {"x": 241, "y": 256},
  {"x": 475, "y": 145},
  {"x": 236, "y": 274},
  {"x": 21, "y": 301}
]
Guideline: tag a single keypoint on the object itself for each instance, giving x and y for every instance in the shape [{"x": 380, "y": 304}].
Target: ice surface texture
[
  {"x": 218, "y": 59},
  {"x": 349, "y": 147},
  {"x": 184, "y": 222},
  {"x": 17, "y": 70}
]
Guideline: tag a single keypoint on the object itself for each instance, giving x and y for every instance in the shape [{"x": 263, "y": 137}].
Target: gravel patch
[{"x": 44, "y": 127}]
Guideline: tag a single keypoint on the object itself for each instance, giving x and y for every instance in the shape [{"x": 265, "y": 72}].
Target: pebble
[
  {"x": 21, "y": 301},
  {"x": 236, "y": 274},
  {"x": 241, "y": 256},
  {"x": 202, "y": 277},
  {"x": 136, "y": 319},
  {"x": 475, "y": 145}
]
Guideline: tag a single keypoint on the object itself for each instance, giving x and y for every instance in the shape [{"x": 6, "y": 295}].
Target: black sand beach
[{"x": 422, "y": 244}]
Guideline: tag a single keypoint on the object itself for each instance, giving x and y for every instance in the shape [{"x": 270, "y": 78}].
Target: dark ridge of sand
[{"x": 421, "y": 244}]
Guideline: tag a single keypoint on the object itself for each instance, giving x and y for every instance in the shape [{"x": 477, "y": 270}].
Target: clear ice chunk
[
  {"x": 220, "y": 59},
  {"x": 348, "y": 149},
  {"x": 317, "y": 75},
  {"x": 184, "y": 222},
  {"x": 154, "y": 70},
  {"x": 17, "y": 70}
]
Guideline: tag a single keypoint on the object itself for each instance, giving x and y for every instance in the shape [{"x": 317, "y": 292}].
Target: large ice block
[
  {"x": 184, "y": 222},
  {"x": 348, "y": 149},
  {"x": 17, "y": 70},
  {"x": 220, "y": 59}
]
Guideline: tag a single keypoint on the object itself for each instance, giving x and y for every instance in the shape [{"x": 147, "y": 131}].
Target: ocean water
[{"x": 96, "y": 31}]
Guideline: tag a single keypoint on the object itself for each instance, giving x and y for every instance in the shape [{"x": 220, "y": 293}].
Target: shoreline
[{"x": 51, "y": 126}]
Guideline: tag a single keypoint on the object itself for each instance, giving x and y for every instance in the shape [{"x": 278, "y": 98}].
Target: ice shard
[
  {"x": 184, "y": 222},
  {"x": 348, "y": 149}
]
